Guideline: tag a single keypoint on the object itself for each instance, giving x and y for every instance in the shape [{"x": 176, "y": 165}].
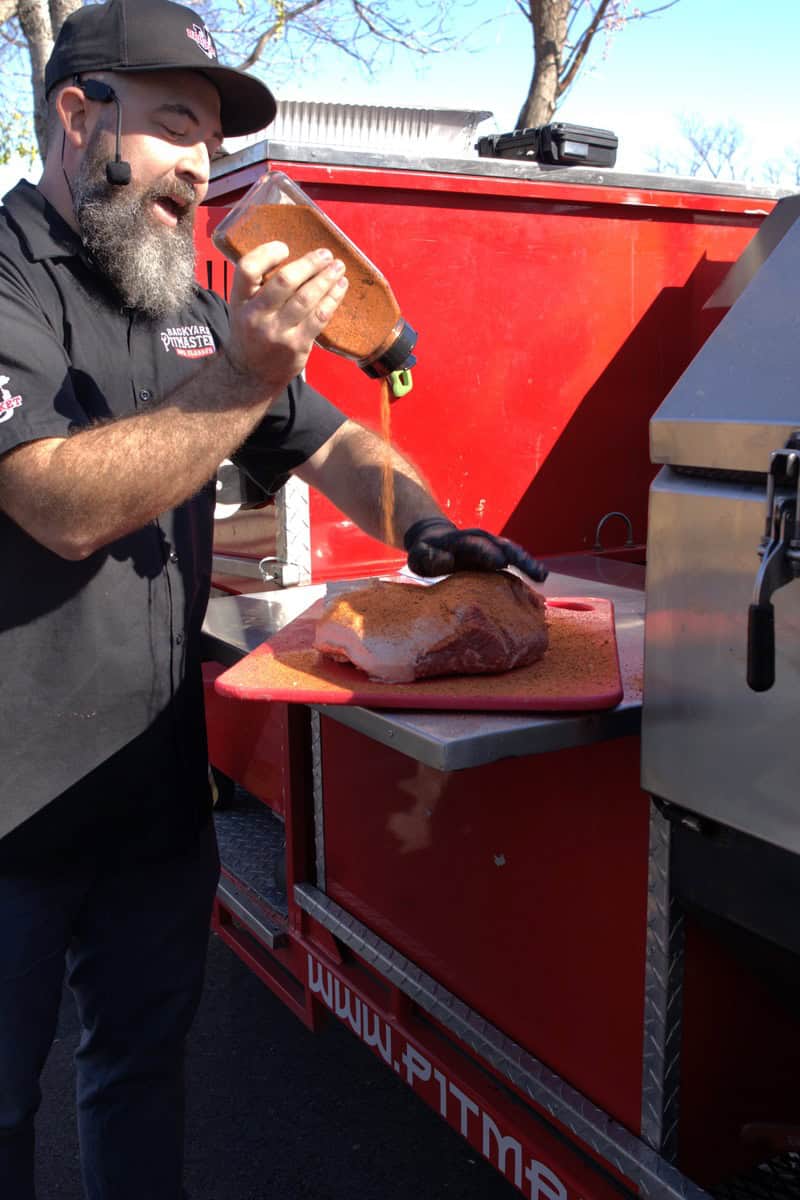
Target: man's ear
[{"x": 72, "y": 111}]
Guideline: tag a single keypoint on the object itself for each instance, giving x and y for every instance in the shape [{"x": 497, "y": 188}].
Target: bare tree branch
[
  {"x": 560, "y": 54},
  {"x": 651, "y": 12},
  {"x": 393, "y": 34},
  {"x": 273, "y": 30},
  {"x": 578, "y": 55},
  {"x": 287, "y": 36},
  {"x": 60, "y": 10},
  {"x": 11, "y": 34},
  {"x": 712, "y": 151},
  {"x": 34, "y": 19}
]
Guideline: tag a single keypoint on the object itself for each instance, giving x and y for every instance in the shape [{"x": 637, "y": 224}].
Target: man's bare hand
[{"x": 278, "y": 308}]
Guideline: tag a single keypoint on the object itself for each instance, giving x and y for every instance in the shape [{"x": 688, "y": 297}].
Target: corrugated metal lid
[{"x": 444, "y": 132}]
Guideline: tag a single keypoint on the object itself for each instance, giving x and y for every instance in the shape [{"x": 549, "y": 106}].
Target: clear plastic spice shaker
[{"x": 368, "y": 326}]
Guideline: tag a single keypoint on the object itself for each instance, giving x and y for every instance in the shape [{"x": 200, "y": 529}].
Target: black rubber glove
[{"x": 437, "y": 547}]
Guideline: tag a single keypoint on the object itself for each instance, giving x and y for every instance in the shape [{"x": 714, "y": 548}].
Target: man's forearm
[
  {"x": 410, "y": 501},
  {"x": 349, "y": 471},
  {"x": 87, "y": 490}
]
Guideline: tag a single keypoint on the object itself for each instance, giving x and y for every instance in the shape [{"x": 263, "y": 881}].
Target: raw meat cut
[{"x": 470, "y": 623}]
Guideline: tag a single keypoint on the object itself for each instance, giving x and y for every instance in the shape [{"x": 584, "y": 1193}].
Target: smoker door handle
[
  {"x": 778, "y": 563},
  {"x": 761, "y": 647}
]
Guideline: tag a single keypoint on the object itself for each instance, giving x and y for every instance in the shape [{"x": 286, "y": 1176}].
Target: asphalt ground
[{"x": 277, "y": 1112}]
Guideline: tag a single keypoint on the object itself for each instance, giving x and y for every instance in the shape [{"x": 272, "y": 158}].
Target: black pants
[{"x": 133, "y": 932}]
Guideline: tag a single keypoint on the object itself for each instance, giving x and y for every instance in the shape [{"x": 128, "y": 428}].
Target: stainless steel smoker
[
  {"x": 720, "y": 727},
  {"x": 722, "y": 635}
]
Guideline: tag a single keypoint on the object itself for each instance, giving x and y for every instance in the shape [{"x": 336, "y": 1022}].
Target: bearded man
[{"x": 109, "y": 444}]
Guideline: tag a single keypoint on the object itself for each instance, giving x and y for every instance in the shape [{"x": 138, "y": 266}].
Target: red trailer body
[
  {"x": 553, "y": 318},
  {"x": 474, "y": 896}
]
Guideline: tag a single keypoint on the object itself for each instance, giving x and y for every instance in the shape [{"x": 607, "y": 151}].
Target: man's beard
[{"x": 151, "y": 265}]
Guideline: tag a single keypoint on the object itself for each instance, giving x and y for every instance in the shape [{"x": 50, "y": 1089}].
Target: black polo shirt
[{"x": 101, "y": 705}]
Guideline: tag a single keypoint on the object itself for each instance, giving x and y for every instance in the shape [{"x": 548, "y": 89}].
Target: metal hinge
[
  {"x": 267, "y": 570},
  {"x": 277, "y": 570}
]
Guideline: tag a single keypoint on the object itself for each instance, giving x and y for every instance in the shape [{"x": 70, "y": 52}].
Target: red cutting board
[{"x": 579, "y": 671}]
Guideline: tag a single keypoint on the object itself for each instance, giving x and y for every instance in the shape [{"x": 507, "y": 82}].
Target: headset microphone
[{"x": 118, "y": 171}]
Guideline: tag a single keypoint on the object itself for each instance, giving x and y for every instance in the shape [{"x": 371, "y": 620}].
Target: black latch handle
[{"x": 761, "y": 647}]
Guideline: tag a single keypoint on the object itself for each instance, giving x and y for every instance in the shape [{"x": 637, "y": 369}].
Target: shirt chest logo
[
  {"x": 8, "y": 403},
  {"x": 188, "y": 341}
]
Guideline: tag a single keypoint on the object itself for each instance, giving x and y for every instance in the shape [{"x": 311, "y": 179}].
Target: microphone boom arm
[{"x": 118, "y": 171}]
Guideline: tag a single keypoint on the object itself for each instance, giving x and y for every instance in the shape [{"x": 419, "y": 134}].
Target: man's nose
[{"x": 194, "y": 164}]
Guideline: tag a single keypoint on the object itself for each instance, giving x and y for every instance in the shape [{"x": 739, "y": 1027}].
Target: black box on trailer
[{"x": 560, "y": 144}]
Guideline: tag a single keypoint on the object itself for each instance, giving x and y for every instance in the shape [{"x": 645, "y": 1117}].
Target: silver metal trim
[
  {"x": 272, "y": 936},
  {"x": 231, "y": 564},
  {"x": 319, "y": 807},
  {"x": 663, "y": 997},
  {"x": 504, "y": 168},
  {"x": 271, "y": 571},
  {"x": 459, "y": 741},
  {"x": 656, "y": 1178}
]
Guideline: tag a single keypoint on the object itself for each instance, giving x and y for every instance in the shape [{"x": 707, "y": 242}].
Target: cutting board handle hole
[{"x": 572, "y": 605}]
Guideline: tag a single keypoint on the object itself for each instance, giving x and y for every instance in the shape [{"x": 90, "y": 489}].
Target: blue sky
[{"x": 725, "y": 60}]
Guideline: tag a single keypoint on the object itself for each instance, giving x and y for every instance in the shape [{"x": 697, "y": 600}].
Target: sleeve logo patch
[
  {"x": 189, "y": 341},
  {"x": 8, "y": 403}
]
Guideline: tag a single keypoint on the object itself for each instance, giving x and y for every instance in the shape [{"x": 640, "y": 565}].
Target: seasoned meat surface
[{"x": 470, "y": 623}]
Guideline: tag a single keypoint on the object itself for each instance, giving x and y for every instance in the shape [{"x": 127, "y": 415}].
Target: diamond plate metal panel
[
  {"x": 252, "y": 848},
  {"x": 655, "y": 1178},
  {"x": 663, "y": 998},
  {"x": 293, "y": 541}
]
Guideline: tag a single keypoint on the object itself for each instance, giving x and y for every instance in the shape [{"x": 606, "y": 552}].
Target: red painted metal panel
[
  {"x": 528, "y": 1151},
  {"x": 740, "y": 1058},
  {"x": 553, "y": 318},
  {"x": 521, "y": 886},
  {"x": 248, "y": 742},
  {"x": 228, "y": 187}
]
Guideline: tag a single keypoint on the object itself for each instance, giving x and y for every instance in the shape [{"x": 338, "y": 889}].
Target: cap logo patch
[
  {"x": 8, "y": 403},
  {"x": 189, "y": 341},
  {"x": 199, "y": 34}
]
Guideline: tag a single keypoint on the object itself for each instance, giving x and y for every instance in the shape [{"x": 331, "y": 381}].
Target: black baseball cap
[{"x": 157, "y": 35}]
